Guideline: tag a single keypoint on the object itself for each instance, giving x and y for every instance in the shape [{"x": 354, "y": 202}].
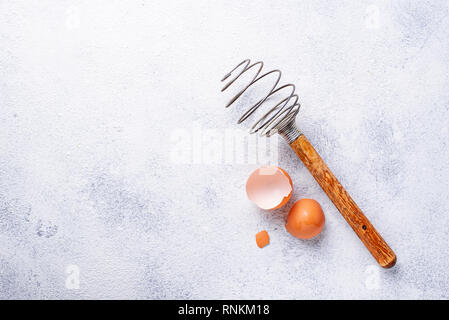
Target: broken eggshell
[
  {"x": 269, "y": 187},
  {"x": 262, "y": 239}
]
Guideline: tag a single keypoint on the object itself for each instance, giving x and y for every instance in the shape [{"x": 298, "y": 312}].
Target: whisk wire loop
[{"x": 282, "y": 114}]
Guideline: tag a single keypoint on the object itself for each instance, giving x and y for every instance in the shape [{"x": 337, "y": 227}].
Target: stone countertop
[{"x": 114, "y": 177}]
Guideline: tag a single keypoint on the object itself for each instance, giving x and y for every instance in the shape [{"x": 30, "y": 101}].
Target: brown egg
[
  {"x": 305, "y": 219},
  {"x": 269, "y": 187}
]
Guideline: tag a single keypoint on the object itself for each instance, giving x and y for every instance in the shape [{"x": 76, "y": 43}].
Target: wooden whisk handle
[{"x": 344, "y": 203}]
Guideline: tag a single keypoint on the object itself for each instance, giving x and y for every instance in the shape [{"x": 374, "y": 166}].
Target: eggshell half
[{"x": 269, "y": 187}]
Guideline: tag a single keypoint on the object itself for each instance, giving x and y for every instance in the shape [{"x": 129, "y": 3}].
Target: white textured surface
[{"x": 89, "y": 93}]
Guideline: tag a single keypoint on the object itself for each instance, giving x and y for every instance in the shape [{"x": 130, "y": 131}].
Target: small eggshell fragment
[
  {"x": 305, "y": 219},
  {"x": 269, "y": 187},
  {"x": 262, "y": 239}
]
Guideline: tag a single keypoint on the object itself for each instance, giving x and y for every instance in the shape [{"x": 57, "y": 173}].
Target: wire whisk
[{"x": 281, "y": 115}]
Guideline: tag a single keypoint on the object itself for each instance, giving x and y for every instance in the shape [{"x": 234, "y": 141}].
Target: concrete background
[{"x": 90, "y": 94}]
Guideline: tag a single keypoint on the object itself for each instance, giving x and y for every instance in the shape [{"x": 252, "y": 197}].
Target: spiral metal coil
[{"x": 281, "y": 117}]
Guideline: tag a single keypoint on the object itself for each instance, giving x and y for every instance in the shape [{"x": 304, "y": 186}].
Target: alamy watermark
[
  {"x": 372, "y": 281},
  {"x": 372, "y": 17},
  {"x": 72, "y": 281},
  {"x": 208, "y": 146},
  {"x": 72, "y": 18}
]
